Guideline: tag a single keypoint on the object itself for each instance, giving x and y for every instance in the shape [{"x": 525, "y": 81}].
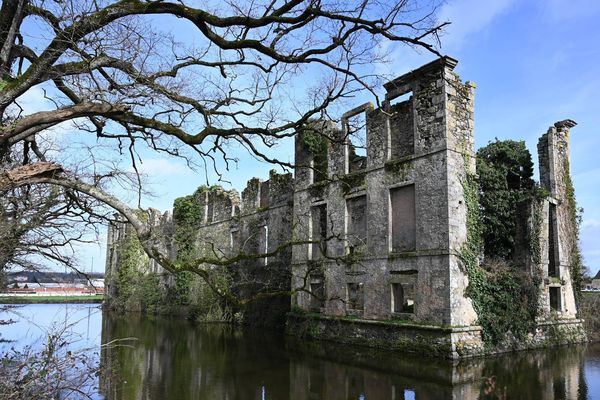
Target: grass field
[{"x": 50, "y": 299}]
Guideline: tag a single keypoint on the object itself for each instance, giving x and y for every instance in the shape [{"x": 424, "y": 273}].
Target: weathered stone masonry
[{"x": 383, "y": 233}]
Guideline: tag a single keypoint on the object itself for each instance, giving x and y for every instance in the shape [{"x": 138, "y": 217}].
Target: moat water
[{"x": 173, "y": 359}]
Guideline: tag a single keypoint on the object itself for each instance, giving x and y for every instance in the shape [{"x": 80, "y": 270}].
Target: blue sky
[{"x": 534, "y": 62}]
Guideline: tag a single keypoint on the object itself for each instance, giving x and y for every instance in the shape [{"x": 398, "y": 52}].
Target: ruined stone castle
[{"x": 373, "y": 226}]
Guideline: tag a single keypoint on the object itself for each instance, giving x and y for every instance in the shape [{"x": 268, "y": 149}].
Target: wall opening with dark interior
[
  {"x": 553, "y": 258},
  {"x": 355, "y": 296},
  {"x": 319, "y": 161},
  {"x": 318, "y": 231},
  {"x": 264, "y": 195},
  {"x": 403, "y": 293},
  {"x": 235, "y": 241},
  {"x": 403, "y": 220},
  {"x": 401, "y": 140},
  {"x": 356, "y": 224},
  {"x": 555, "y": 301},
  {"x": 317, "y": 291}
]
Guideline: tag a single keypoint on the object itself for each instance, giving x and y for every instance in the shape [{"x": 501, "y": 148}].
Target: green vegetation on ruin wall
[
  {"x": 575, "y": 216},
  {"x": 504, "y": 297},
  {"x": 505, "y": 173},
  {"x": 138, "y": 289},
  {"x": 317, "y": 144}
]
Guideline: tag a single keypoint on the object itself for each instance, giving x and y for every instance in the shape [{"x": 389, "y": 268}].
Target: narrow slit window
[
  {"x": 265, "y": 243},
  {"x": 403, "y": 221},
  {"x": 553, "y": 269},
  {"x": 235, "y": 241},
  {"x": 319, "y": 231}
]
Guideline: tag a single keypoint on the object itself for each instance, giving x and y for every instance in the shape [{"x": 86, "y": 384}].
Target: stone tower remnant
[{"x": 378, "y": 216}]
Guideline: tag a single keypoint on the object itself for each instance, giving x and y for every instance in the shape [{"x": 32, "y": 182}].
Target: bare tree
[{"x": 240, "y": 78}]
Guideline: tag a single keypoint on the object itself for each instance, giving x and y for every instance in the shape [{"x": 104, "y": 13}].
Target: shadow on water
[{"x": 173, "y": 359}]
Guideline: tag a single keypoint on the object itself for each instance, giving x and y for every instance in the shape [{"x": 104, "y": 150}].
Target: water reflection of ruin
[{"x": 173, "y": 359}]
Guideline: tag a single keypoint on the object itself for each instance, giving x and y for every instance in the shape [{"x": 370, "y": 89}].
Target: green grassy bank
[{"x": 51, "y": 299}]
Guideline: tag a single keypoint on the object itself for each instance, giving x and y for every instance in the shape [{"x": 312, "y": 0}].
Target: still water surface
[{"x": 173, "y": 359}]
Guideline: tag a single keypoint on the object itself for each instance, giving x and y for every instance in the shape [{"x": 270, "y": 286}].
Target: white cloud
[
  {"x": 468, "y": 17},
  {"x": 163, "y": 168},
  {"x": 34, "y": 101},
  {"x": 563, "y": 10}
]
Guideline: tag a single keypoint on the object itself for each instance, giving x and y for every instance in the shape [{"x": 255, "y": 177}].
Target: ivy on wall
[
  {"x": 188, "y": 216},
  {"x": 505, "y": 173},
  {"x": 504, "y": 296},
  {"x": 575, "y": 215},
  {"x": 317, "y": 144}
]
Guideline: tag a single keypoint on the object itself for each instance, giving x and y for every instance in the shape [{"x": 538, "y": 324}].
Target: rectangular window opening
[
  {"x": 356, "y": 225},
  {"x": 264, "y": 195},
  {"x": 234, "y": 241},
  {"x": 403, "y": 300},
  {"x": 319, "y": 168},
  {"x": 401, "y": 127},
  {"x": 555, "y": 303},
  {"x": 355, "y": 130},
  {"x": 403, "y": 220},
  {"x": 355, "y": 296},
  {"x": 319, "y": 231}
]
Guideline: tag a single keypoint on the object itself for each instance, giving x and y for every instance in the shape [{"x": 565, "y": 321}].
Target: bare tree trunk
[{"x": 11, "y": 15}]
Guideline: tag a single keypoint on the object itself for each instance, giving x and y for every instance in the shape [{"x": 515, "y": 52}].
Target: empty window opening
[
  {"x": 401, "y": 127},
  {"x": 234, "y": 241},
  {"x": 403, "y": 221},
  {"x": 555, "y": 303},
  {"x": 319, "y": 231},
  {"x": 355, "y": 130},
  {"x": 264, "y": 195},
  {"x": 553, "y": 269},
  {"x": 317, "y": 295},
  {"x": 403, "y": 298},
  {"x": 356, "y": 224},
  {"x": 264, "y": 242},
  {"x": 355, "y": 296},
  {"x": 319, "y": 163}
]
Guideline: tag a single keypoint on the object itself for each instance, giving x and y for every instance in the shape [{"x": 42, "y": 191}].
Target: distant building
[{"x": 596, "y": 281}]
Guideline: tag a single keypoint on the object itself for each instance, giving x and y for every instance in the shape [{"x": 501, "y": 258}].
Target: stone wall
[
  {"x": 433, "y": 128},
  {"x": 230, "y": 227},
  {"x": 371, "y": 232}
]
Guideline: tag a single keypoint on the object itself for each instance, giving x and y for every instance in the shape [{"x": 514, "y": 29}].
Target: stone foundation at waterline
[{"x": 375, "y": 231}]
